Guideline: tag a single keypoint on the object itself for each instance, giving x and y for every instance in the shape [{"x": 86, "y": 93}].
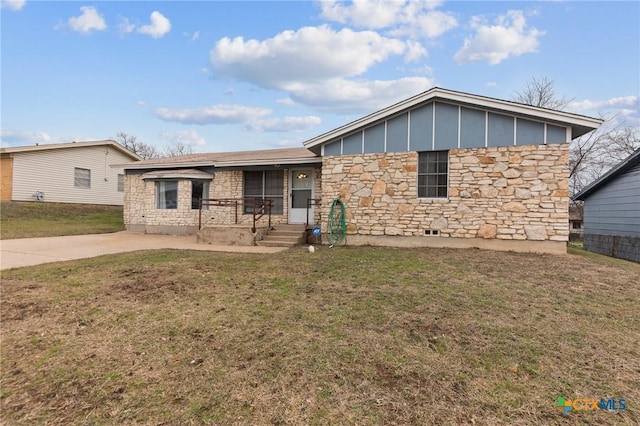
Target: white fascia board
[
  {"x": 268, "y": 162},
  {"x": 138, "y": 166},
  {"x": 561, "y": 118}
]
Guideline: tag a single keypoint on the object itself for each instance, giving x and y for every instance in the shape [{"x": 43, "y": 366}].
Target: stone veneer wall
[
  {"x": 140, "y": 213},
  {"x": 501, "y": 193}
]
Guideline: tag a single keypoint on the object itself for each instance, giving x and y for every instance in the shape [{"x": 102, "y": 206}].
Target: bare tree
[
  {"x": 177, "y": 148},
  {"x": 593, "y": 154},
  {"x": 596, "y": 153},
  {"x": 541, "y": 93},
  {"x": 132, "y": 143}
]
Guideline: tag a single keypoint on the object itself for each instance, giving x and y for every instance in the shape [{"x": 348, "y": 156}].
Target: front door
[{"x": 301, "y": 190}]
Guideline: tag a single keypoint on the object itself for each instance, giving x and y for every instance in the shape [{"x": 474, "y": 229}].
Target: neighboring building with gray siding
[
  {"x": 76, "y": 172},
  {"x": 612, "y": 211}
]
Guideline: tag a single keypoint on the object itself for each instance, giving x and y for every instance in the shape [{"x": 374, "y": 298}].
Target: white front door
[{"x": 300, "y": 191}]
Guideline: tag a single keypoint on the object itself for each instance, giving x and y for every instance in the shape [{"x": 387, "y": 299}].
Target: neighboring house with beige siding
[
  {"x": 77, "y": 172},
  {"x": 443, "y": 168}
]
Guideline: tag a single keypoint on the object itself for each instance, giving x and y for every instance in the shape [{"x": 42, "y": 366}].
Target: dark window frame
[
  {"x": 433, "y": 174},
  {"x": 203, "y": 192},
  {"x": 265, "y": 184}
]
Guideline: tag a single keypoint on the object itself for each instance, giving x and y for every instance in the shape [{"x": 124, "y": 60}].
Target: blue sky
[{"x": 226, "y": 76}]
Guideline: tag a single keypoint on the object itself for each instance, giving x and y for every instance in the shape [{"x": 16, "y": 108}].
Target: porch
[{"x": 251, "y": 223}]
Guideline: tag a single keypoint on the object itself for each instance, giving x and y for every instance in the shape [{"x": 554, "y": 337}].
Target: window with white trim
[
  {"x": 120, "y": 183},
  {"x": 264, "y": 184},
  {"x": 82, "y": 178},
  {"x": 167, "y": 194},
  {"x": 433, "y": 174}
]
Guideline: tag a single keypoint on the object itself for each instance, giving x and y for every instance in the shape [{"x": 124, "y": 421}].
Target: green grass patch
[
  {"x": 342, "y": 336},
  {"x": 31, "y": 219}
]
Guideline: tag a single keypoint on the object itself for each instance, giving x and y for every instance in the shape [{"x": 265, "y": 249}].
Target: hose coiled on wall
[{"x": 337, "y": 225}]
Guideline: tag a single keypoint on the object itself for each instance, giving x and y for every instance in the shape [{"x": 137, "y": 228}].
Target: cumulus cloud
[
  {"x": 324, "y": 78},
  {"x": 509, "y": 36},
  {"x": 89, "y": 20},
  {"x": 216, "y": 114},
  {"x": 406, "y": 17},
  {"x": 620, "y": 102},
  {"x": 188, "y": 137},
  {"x": 286, "y": 101},
  {"x": 158, "y": 27},
  {"x": 285, "y": 124},
  {"x": 22, "y": 137},
  {"x": 125, "y": 27},
  {"x": 309, "y": 54},
  {"x": 12, "y": 4},
  {"x": 357, "y": 97}
]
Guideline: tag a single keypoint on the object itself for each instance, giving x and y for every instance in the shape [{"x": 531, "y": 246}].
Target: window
[
  {"x": 167, "y": 194},
  {"x": 433, "y": 177},
  {"x": 199, "y": 190},
  {"x": 82, "y": 178},
  {"x": 120, "y": 183},
  {"x": 264, "y": 184},
  {"x": 577, "y": 225}
]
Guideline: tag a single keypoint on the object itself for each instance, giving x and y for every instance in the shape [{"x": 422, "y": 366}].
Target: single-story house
[
  {"x": 575, "y": 222},
  {"x": 443, "y": 168},
  {"x": 76, "y": 172},
  {"x": 612, "y": 211}
]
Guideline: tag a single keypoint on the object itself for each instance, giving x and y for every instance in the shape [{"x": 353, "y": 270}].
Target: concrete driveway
[{"x": 35, "y": 251}]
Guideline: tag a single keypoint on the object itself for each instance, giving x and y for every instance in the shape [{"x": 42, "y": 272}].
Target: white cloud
[
  {"x": 22, "y": 137},
  {"x": 357, "y": 97},
  {"x": 89, "y": 20},
  {"x": 619, "y": 102},
  {"x": 158, "y": 27},
  {"x": 125, "y": 27},
  {"x": 216, "y": 114},
  {"x": 229, "y": 92},
  {"x": 309, "y": 54},
  {"x": 285, "y": 124},
  {"x": 405, "y": 17},
  {"x": 286, "y": 101},
  {"x": 141, "y": 103},
  {"x": 12, "y": 4},
  {"x": 373, "y": 14},
  {"x": 188, "y": 137},
  {"x": 491, "y": 84},
  {"x": 415, "y": 51},
  {"x": 495, "y": 43}
]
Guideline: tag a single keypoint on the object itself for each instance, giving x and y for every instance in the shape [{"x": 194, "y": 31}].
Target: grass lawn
[
  {"x": 342, "y": 336},
  {"x": 31, "y": 219}
]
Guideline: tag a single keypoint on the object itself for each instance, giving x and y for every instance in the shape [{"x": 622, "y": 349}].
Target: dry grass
[
  {"x": 30, "y": 219},
  {"x": 342, "y": 336}
]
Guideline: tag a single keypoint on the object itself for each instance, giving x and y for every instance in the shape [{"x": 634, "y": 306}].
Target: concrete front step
[
  {"x": 283, "y": 235},
  {"x": 271, "y": 243}
]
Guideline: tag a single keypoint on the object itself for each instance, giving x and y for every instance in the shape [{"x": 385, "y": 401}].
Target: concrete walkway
[{"x": 35, "y": 251}]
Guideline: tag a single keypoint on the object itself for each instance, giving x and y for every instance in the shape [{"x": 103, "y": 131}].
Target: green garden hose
[{"x": 337, "y": 226}]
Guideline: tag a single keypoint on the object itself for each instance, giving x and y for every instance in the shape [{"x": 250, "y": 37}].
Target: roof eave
[
  {"x": 274, "y": 162},
  {"x": 580, "y": 124},
  {"x": 138, "y": 166},
  {"x": 611, "y": 174}
]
